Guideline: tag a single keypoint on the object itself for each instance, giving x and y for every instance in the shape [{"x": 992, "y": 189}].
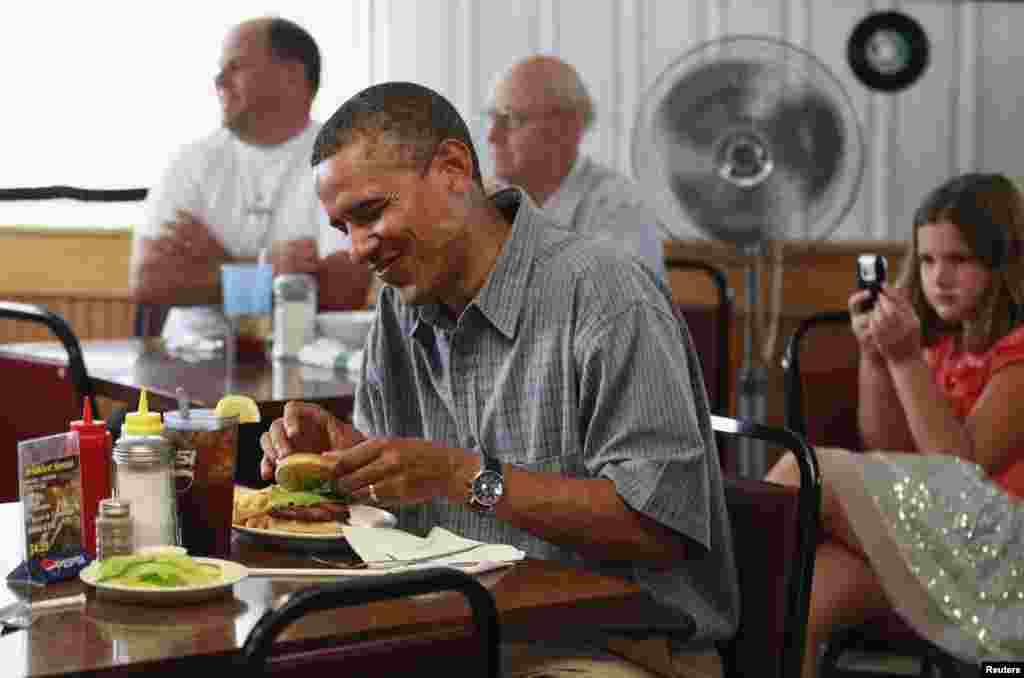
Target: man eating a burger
[{"x": 521, "y": 384}]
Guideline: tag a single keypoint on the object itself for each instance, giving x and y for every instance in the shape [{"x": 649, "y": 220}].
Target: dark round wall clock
[{"x": 888, "y": 51}]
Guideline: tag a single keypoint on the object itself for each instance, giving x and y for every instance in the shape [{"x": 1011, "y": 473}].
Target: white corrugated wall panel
[
  {"x": 999, "y": 92},
  {"x": 961, "y": 115}
]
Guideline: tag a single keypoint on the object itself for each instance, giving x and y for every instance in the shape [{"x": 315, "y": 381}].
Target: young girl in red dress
[{"x": 935, "y": 530}]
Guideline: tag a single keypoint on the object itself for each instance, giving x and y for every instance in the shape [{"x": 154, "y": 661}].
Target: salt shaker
[
  {"x": 144, "y": 475},
  {"x": 114, "y": 534},
  {"x": 295, "y": 304}
]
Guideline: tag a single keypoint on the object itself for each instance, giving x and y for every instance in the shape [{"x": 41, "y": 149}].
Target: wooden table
[
  {"x": 121, "y": 368},
  {"x": 535, "y": 600}
]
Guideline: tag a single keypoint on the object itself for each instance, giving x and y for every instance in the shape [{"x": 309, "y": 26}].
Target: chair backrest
[
  {"x": 361, "y": 590},
  {"x": 710, "y": 326},
  {"x": 45, "y": 405},
  {"x": 12, "y": 310},
  {"x": 820, "y": 367},
  {"x": 775, "y": 533}
]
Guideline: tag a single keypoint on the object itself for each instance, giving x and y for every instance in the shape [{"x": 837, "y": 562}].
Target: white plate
[
  {"x": 359, "y": 515},
  {"x": 231, "y": 572}
]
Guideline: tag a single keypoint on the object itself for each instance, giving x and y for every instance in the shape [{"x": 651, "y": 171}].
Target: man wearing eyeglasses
[
  {"x": 538, "y": 114},
  {"x": 521, "y": 384},
  {"x": 245, "y": 188}
]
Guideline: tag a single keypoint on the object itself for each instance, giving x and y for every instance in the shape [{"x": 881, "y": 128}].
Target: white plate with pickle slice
[{"x": 143, "y": 592}]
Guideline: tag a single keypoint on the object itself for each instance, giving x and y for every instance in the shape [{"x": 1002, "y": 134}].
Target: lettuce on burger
[{"x": 302, "y": 501}]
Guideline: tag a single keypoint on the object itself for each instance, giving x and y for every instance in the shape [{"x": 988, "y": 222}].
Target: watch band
[{"x": 490, "y": 463}]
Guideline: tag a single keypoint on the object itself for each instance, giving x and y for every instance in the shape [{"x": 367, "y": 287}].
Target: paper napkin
[
  {"x": 327, "y": 352},
  {"x": 381, "y": 545}
]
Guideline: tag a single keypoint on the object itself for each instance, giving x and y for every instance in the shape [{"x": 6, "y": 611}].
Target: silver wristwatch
[{"x": 487, "y": 486}]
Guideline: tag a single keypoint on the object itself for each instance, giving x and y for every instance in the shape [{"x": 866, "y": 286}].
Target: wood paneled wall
[
  {"x": 816, "y": 276},
  {"x": 81, "y": 275},
  {"x": 84, "y": 277},
  {"x": 74, "y": 262},
  {"x": 90, "y": 317}
]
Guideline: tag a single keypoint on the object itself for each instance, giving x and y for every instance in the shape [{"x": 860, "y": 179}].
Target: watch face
[{"x": 488, "y": 488}]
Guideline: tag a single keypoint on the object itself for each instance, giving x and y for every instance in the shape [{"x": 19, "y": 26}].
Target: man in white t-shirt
[
  {"x": 539, "y": 111},
  {"x": 246, "y": 188}
]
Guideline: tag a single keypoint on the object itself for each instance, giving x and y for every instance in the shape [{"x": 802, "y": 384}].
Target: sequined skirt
[{"x": 947, "y": 544}]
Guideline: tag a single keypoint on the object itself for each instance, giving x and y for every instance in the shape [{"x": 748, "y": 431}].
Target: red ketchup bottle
[{"x": 94, "y": 444}]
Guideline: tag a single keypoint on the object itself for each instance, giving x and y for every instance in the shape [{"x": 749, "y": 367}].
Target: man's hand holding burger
[
  {"x": 382, "y": 471},
  {"x": 304, "y": 428}
]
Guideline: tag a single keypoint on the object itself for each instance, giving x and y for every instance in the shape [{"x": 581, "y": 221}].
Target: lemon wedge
[{"x": 243, "y": 407}]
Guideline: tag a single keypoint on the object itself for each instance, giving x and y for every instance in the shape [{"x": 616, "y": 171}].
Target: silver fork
[{"x": 389, "y": 564}]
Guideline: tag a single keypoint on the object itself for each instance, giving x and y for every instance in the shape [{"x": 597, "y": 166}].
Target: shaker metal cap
[
  {"x": 294, "y": 286},
  {"x": 143, "y": 450},
  {"x": 115, "y": 507}
]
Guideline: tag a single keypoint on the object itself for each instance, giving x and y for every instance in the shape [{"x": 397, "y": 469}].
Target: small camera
[{"x": 871, "y": 269}]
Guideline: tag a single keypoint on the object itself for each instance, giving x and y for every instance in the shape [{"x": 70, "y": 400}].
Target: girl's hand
[
  {"x": 895, "y": 327},
  {"x": 860, "y": 324}
]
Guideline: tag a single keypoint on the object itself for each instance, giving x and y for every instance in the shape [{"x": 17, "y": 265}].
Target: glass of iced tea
[{"x": 206, "y": 453}]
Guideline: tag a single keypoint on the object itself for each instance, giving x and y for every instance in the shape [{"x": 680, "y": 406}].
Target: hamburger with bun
[
  {"x": 302, "y": 501},
  {"x": 303, "y": 472}
]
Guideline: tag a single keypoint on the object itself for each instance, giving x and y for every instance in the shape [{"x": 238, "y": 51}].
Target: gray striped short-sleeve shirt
[{"x": 570, "y": 360}]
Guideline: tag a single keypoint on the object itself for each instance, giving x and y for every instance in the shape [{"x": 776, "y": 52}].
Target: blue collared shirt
[{"x": 569, "y": 360}]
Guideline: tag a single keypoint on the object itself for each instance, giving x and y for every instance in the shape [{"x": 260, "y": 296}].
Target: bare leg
[
  {"x": 833, "y": 517},
  {"x": 845, "y": 590}
]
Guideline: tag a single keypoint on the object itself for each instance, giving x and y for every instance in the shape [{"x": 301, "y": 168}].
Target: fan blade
[
  {"x": 751, "y": 139},
  {"x": 739, "y": 214},
  {"x": 808, "y": 138}
]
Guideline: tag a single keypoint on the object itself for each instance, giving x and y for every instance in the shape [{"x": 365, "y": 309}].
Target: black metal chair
[
  {"x": 42, "y": 400},
  {"x": 775, "y": 533},
  {"x": 12, "y": 310},
  {"x": 257, "y": 653},
  {"x": 830, "y": 419},
  {"x": 710, "y": 327},
  {"x": 827, "y": 422}
]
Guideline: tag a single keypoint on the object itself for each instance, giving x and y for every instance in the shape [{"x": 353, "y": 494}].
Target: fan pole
[{"x": 752, "y": 382}]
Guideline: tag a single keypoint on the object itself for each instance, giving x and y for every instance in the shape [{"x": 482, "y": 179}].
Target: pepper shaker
[{"x": 114, "y": 534}]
